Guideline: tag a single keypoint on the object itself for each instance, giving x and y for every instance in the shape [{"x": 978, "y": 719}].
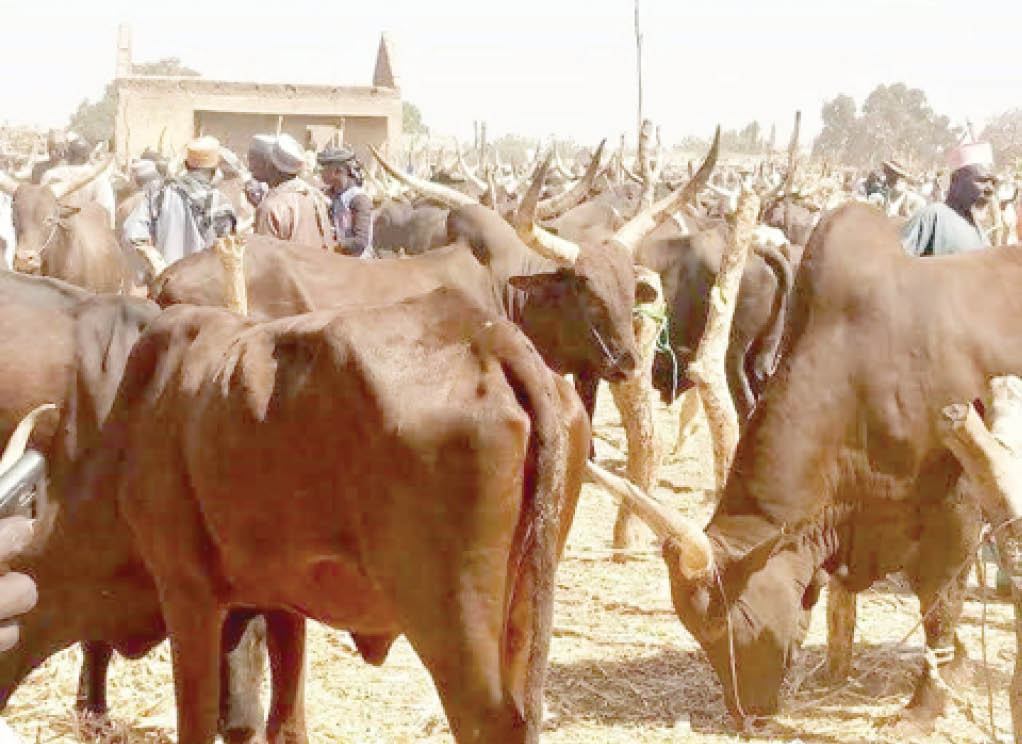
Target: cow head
[
  {"x": 580, "y": 316},
  {"x": 750, "y": 616},
  {"x": 747, "y": 605},
  {"x": 37, "y": 211}
]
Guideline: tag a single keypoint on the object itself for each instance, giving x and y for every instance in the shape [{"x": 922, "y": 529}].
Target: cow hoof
[
  {"x": 243, "y": 735},
  {"x": 90, "y": 725}
]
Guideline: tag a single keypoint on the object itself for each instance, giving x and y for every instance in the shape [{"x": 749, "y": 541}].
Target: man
[
  {"x": 350, "y": 206},
  {"x": 292, "y": 209},
  {"x": 187, "y": 214},
  {"x": 258, "y": 166},
  {"x": 941, "y": 229}
]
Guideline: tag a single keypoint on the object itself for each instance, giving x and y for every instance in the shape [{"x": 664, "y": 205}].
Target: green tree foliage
[
  {"x": 1004, "y": 133},
  {"x": 94, "y": 120},
  {"x": 895, "y": 121},
  {"x": 412, "y": 119}
]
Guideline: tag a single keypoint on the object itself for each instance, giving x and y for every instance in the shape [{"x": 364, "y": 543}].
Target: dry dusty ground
[{"x": 622, "y": 668}]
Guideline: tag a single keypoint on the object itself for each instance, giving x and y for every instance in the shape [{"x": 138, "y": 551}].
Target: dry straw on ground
[{"x": 622, "y": 668}]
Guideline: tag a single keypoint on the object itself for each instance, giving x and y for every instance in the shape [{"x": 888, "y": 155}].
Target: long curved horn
[
  {"x": 448, "y": 197},
  {"x": 693, "y": 544},
  {"x": 66, "y": 188},
  {"x": 19, "y": 439},
  {"x": 632, "y": 232},
  {"x": 8, "y": 184},
  {"x": 556, "y": 205},
  {"x": 544, "y": 243},
  {"x": 468, "y": 174}
]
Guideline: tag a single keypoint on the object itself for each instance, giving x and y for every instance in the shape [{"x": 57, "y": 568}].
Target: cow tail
[
  {"x": 538, "y": 530},
  {"x": 767, "y": 348}
]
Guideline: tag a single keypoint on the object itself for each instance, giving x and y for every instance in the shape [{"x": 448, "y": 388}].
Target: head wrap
[
  {"x": 895, "y": 167},
  {"x": 261, "y": 144},
  {"x": 144, "y": 171},
  {"x": 335, "y": 156},
  {"x": 974, "y": 153},
  {"x": 287, "y": 155},
  {"x": 203, "y": 152}
]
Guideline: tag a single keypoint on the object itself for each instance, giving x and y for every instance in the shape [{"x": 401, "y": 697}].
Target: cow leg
[
  {"x": 285, "y": 640},
  {"x": 90, "y": 703},
  {"x": 241, "y": 674}
]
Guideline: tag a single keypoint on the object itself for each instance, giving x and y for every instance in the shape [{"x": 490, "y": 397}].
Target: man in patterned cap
[
  {"x": 187, "y": 214},
  {"x": 292, "y": 209},
  {"x": 350, "y": 206},
  {"x": 939, "y": 229}
]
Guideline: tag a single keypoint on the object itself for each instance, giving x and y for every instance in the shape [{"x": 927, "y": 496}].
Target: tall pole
[{"x": 638, "y": 67}]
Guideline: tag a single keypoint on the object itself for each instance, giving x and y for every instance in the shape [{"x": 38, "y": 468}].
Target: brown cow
[
  {"x": 435, "y": 443},
  {"x": 76, "y": 244},
  {"x": 60, "y": 344},
  {"x": 841, "y": 469}
]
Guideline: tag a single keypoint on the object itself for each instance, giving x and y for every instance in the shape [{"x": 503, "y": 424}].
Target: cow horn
[
  {"x": 19, "y": 439},
  {"x": 448, "y": 197},
  {"x": 546, "y": 244},
  {"x": 563, "y": 202},
  {"x": 66, "y": 188},
  {"x": 643, "y": 223},
  {"x": 693, "y": 544},
  {"x": 468, "y": 174}
]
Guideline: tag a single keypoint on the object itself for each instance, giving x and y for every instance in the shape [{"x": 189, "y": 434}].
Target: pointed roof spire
[{"x": 385, "y": 75}]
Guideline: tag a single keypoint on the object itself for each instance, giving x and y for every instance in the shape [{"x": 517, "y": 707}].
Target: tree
[
  {"x": 411, "y": 119},
  {"x": 1004, "y": 133},
  {"x": 95, "y": 120},
  {"x": 895, "y": 122}
]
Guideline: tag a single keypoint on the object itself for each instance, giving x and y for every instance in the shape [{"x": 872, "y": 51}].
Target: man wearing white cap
[
  {"x": 187, "y": 214},
  {"x": 292, "y": 209},
  {"x": 259, "y": 150},
  {"x": 940, "y": 229}
]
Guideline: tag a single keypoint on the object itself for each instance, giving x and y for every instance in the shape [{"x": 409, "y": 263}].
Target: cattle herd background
[{"x": 390, "y": 446}]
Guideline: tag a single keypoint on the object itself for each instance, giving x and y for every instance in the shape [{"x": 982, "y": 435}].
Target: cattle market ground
[{"x": 622, "y": 668}]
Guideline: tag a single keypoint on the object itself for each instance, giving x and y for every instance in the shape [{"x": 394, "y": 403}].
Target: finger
[
  {"x": 9, "y": 636},
  {"x": 15, "y": 535},
  {"x": 18, "y": 595}
]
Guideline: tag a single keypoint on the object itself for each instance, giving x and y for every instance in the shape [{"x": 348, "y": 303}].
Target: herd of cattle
[{"x": 389, "y": 446}]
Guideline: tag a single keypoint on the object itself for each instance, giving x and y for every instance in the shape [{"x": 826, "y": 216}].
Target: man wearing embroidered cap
[
  {"x": 350, "y": 206},
  {"x": 940, "y": 229},
  {"x": 292, "y": 209},
  {"x": 187, "y": 214}
]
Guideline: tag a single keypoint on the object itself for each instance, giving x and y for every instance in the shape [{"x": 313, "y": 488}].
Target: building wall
[{"x": 175, "y": 109}]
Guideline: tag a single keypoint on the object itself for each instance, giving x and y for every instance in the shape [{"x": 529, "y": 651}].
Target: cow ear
[{"x": 645, "y": 292}]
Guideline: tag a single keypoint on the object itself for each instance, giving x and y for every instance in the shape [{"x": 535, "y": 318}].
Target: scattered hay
[{"x": 622, "y": 668}]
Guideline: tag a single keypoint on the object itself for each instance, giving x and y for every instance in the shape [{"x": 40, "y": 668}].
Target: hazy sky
[{"x": 541, "y": 66}]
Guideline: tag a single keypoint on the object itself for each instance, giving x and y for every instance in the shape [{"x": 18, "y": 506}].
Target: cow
[
  {"x": 435, "y": 442},
  {"x": 576, "y": 310},
  {"x": 841, "y": 469},
  {"x": 688, "y": 267},
  {"x": 76, "y": 244},
  {"x": 62, "y": 345},
  {"x": 411, "y": 229}
]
